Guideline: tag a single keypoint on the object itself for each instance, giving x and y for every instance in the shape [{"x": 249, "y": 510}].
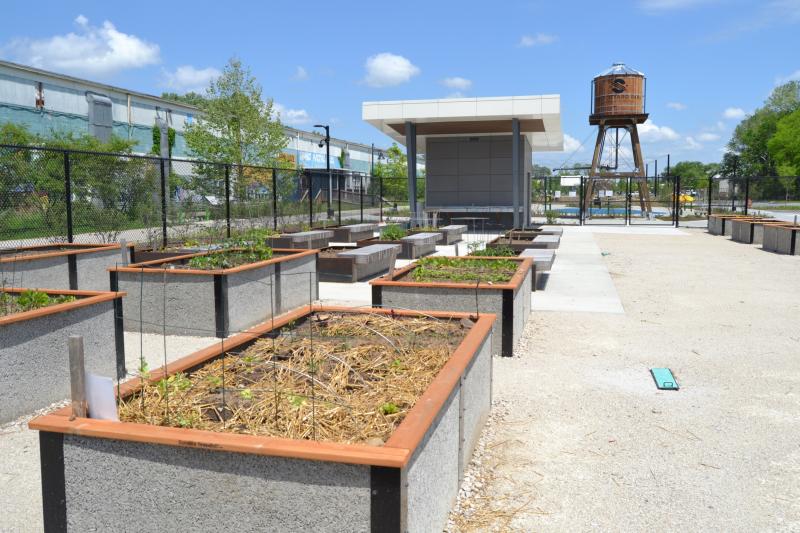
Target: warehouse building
[{"x": 47, "y": 102}]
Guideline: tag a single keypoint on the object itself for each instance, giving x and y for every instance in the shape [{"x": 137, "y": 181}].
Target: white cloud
[
  {"x": 457, "y": 82},
  {"x": 677, "y": 106},
  {"x": 457, "y": 94},
  {"x": 794, "y": 76},
  {"x": 300, "y": 74},
  {"x": 91, "y": 50},
  {"x": 526, "y": 41},
  {"x": 187, "y": 78},
  {"x": 708, "y": 137},
  {"x": 387, "y": 70},
  {"x": 650, "y": 132},
  {"x": 692, "y": 144},
  {"x": 292, "y": 117},
  {"x": 734, "y": 113},
  {"x": 571, "y": 144}
]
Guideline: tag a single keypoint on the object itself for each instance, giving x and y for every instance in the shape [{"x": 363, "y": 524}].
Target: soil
[
  {"x": 337, "y": 377},
  {"x": 331, "y": 252}
]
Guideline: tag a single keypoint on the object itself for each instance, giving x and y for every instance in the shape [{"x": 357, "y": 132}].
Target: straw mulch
[{"x": 337, "y": 377}]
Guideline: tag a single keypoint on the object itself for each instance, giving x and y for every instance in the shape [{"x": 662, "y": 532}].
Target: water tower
[{"x": 618, "y": 106}]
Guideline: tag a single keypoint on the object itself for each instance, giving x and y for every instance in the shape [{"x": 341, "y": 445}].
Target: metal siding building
[{"x": 46, "y": 102}]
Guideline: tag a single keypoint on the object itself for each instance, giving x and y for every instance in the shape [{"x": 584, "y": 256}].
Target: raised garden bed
[
  {"x": 543, "y": 260},
  {"x": 306, "y": 240},
  {"x": 34, "y": 363},
  {"x": 412, "y": 246},
  {"x": 721, "y": 224},
  {"x": 530, "y": 233},
  {"x": 353, "y": 264},
  {"x": 373, "y": 435},
  {"x": 782, "y": 239},
  {"x": 452, "y": 283},
  {"x": 182, "y": 297},
  {"x": 519, "y": 244},
  {"x": 60, "y": 266},
  {"x": 750, "y": 231},
  {"x": 354, "y": 232}
]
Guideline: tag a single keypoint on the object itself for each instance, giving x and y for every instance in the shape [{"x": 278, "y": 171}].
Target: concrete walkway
[{"x": 579, "y": 280}]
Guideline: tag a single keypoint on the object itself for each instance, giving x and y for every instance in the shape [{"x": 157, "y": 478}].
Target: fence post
[
  {"x": 310, "y": 200},
  {"x": 68, "y": 195},
  {"x": 581, "y": 200},
  {"x": 677, "y": 201},
  {"x": 361, "y": 197},
  {"x": 746, "y": 193},
  {"x": 380, "y": 198},
  {"x": 274, "y": 198},
  {"x": 339, "y": 199},
  {"x": 228, "y": 200},
  {"x": 163, "y": 204},
  {"x": 710, "y": 192}
]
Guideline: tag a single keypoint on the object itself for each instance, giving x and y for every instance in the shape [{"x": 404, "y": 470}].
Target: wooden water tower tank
[{"x": 618, "y": 92}]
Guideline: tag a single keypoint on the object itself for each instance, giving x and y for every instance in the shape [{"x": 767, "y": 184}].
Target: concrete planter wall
[
  {"x": 354, "y": 264},
  {"x": 449, "y": 234},
  {"x": 91, "y": 469},
  {"x": 511, "y": 301},
  {"x": 215, "y": 302},
  {"x": 519, "y": 244},
  {"x": 305, "y": 240},
  {"x": 354, "y": 232},
  {"x": 782, "y": 239},
  {"x": 34, "y": 362},
  {"x": 412, "y": 247},
  {"x": 722, "y": 224},
  {"x": 749, "y": 231},
  {"x": 530, "y": 233},
  {"x": 60, "y": 266}
]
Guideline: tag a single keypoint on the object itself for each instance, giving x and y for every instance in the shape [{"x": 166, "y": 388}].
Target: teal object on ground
[{"x": 664, "y": 379}]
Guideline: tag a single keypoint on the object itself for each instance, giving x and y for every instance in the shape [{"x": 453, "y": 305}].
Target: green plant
[
  {"x": 30, "y": 299},
  {"x": 228, "y": 258},
  {"x": 500, "y": 251},
  {"x": 393, "y": 232},
  {"x": 463, "y": 270},
  {"x": 246, "y": 394},
  {"x": 551, "y": 215},
  {"x": 389, "y": 408}
]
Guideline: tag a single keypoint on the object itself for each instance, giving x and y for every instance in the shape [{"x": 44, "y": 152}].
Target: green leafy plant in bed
[
  {"x": 500, "y": 251},
  {"x": 29, "y": 300},
  {"x": 463, "y": 270},
  {"x": 229, "y": 258},
  {"x": 393, "y": 232}
]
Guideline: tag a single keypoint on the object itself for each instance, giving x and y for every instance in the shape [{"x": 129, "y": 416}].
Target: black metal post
[
  {"x": 710, "y": 191},
  {"x": 163, "y": 203},
  {"x": 677, "y": 200},
  {"x": 380, "y": 197},
  {"x": 68, "y": 195},
  {"x": 310, "y": 199},
  {"x": 581, "y": 201},
  {"x": 628, "y": 201},
  {"x": 361, "y": 196},
  {"x": 746, "y": 194},
  {"x": 656, "y": 175},
  {"x": 274, "y": 198},
  {"x": 339, "y": 199},
  {"x": 228, "y": 200}
]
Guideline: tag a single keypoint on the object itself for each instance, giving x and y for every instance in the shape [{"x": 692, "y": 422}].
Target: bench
[
  {"x": 354, "y": 232},
  {"x": 543, "y": 260},
  {"x": 304, "y": 239},
  {"x": 358, "y": 263},
  {"x": 419, "y": 244}
]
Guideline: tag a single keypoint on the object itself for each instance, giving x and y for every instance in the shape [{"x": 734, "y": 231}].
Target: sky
[{"x": 708, "y": 62}]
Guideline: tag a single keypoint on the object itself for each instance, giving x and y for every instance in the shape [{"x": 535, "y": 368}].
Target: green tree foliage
[
  {"x": 694, "y": 174},
  {"x": 751, "y": 137},
  {"x": 540, "y": 171},
  {"x": 190, "y": 98},
  {"x": 784, "y": 146},
  {"x": 394, "y": 173},
  {"x": 237, "y": 127}
]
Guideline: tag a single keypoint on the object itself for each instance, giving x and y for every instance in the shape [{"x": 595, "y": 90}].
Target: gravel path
[{"x": 589, "y": 444}]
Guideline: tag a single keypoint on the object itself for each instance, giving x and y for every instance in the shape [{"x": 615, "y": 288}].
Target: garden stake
[{"x": 77, "y": 377}]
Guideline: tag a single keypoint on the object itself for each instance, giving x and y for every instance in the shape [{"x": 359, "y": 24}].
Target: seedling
[{"x": 389, "y": 408}]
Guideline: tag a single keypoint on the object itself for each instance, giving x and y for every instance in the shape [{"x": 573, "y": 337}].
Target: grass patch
[
  {"x": 500, "y": 251},
  {"x": 393, "y": 232}
]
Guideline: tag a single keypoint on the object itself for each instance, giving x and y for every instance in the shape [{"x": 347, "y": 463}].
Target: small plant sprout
[
  {"x": 389, "y": 408},
  {"x": 246, "y": 394}
]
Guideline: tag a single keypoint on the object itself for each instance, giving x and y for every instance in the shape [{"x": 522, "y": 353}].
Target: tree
[
  {"x": 237, "y": 126},
  {"x": 540, "y": 171},
  {"x": 694, "y": 174},
  {"x": 190, "y": 98},
  {"x": 784, "y": 147},
  {"x": 751, "y": 136}
]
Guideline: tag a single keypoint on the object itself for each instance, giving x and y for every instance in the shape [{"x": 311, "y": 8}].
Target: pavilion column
[
  {"x": 411, "y": 154},
  {"x": 515, "y": 170}
]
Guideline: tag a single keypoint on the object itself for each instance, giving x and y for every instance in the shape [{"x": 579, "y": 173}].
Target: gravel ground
[
  {"x": 589, "y": 443},
  {"x": 20, "y": 479}
]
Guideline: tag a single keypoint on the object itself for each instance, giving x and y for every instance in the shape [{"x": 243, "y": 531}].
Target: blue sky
[{"x": 708, "y": 62}]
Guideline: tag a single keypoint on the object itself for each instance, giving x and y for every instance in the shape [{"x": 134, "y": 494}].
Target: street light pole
[{"x": 327, "y": 141}]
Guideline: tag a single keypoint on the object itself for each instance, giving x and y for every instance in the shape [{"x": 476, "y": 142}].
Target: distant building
[{"x": 47, "y": 102}]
